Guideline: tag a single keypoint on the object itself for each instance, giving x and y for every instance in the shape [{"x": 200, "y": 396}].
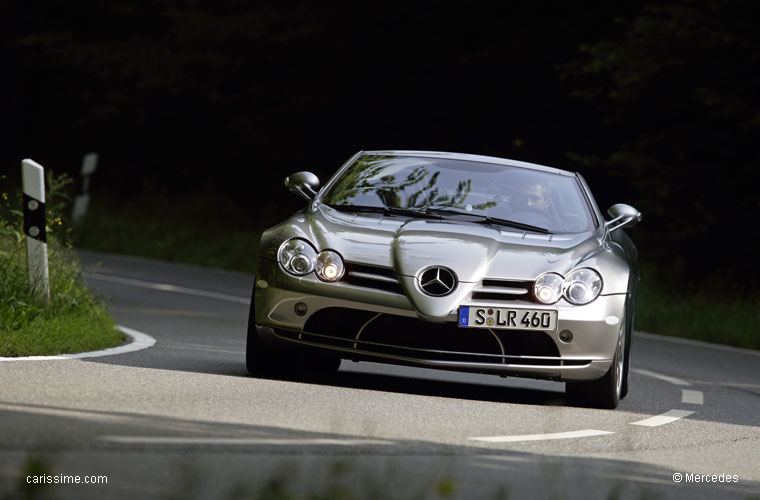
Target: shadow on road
[
  {"x": 258, "y": 461},
  {"x": 234, "y": 365},
  {"x": 649, "y": 396}
]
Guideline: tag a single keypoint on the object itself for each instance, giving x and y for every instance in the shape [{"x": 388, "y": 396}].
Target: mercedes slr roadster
[{"x": 450, "y": 261}]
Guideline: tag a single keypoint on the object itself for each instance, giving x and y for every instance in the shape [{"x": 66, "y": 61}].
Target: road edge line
[
  {"x": 139, "y": 342},
  {"x": 541, "y": 437},
  {"x": 241, "y": 441},
  {"x": 167, "y": 287}
]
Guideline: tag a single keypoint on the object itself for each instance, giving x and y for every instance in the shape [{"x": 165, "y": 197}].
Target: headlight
[
  {"x": 548, "y": 288},
  {"x": 329, "y": 266},
  {"x": 297, "y": 257},
  {"x": 582, "y": 286}
]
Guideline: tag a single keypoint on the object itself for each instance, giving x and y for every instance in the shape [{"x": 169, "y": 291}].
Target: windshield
[{"x": 498, "y": 192}]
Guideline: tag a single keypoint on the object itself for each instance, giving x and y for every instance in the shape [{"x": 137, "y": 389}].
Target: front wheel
[
  {"x": 260, "y": 359},
  {"x": 628, "y": 346},
  {"x": 265, "y": 360},
  {"x": 607, "y": 391}
]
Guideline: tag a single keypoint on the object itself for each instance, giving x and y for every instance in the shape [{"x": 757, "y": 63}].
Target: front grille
[
  {"x": 503, "y": 290},
  {"x": 414, "y": 338},
  {"x": 378, "y": 278}
]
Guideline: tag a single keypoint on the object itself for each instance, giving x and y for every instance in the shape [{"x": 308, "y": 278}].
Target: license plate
[{"x": 507, "y": 318}]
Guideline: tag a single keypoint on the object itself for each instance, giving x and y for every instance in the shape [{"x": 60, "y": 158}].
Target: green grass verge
[
  {"x": 72, "y": 320},
  {"x": 190, "y": 230},
  {"x": 199, "y": 230},
  {"x": 700, "y": 316}
]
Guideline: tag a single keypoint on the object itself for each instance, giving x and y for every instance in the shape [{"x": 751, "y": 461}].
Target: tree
[{"x": 678, "y": 118}]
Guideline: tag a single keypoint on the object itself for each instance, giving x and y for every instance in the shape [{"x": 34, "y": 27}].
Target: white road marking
[
  {"x": 688, "y": 396},
  {"x": 139, "y": 342},
  {"x": 242, "y": 441},
  {"x": 164, "y": 287},
  {"x": 542, "y": 437},
  {"x": 692, "y": 397},
  {"x": 666, "y": 378},
  {"x": 665, "y": 418}
]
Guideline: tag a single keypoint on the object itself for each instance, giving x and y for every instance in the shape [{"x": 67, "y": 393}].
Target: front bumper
[{"x": 363, "y": 323}]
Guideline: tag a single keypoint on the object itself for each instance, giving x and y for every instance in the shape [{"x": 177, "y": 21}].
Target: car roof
[{"x": 470, "y": 157}]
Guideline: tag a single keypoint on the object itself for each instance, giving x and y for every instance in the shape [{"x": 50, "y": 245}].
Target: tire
[
  {"x": 320, "y": 363},
  {"x": 607, "y": 391},
  {"x": 260, "y": 359},
  {"x": 628, "y": 347},
  {"x": 265, "y": 360}
]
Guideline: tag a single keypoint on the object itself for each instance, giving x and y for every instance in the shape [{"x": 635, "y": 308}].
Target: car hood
[{"x": 473, "y": 251}]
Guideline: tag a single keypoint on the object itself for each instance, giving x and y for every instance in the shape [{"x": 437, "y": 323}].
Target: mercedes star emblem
[{"x": 438, "y": 281}]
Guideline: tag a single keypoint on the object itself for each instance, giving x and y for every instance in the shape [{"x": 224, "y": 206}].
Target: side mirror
[
  {"x": 623, "y": 216},
  {"x": 304, "y": 184}
]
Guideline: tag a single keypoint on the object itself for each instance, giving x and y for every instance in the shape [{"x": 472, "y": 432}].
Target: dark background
[{"x": 656, "y": 103}]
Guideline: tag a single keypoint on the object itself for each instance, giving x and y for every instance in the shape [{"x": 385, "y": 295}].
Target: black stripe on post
[{"x": 34, "y": 219}]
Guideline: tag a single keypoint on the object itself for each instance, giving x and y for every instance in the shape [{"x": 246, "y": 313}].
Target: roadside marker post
[
  {"x": 81, "y": 202},
  {"x": 33, "y": 181}
]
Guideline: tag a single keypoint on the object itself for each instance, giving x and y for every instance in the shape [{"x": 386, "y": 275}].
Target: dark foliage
[
  {"x": 654, "y": 104},
  {"x": 678, "y": 116}
]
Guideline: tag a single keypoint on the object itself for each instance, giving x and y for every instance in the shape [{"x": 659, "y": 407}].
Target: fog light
[
  {"x": 566, "y": 336},
  {"x": 301, "y": 308}
]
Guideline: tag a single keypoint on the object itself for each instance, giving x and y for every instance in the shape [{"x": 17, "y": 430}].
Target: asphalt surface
[{"x": 183, "y": 419}]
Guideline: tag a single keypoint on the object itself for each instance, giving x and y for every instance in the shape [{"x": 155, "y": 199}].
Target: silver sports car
[{"x": 450, "y": 261}]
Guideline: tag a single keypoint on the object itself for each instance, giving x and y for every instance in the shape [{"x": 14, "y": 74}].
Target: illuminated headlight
[
  {"x": 329, "y": 266},
  {"x": 297, "y": 257},
  {"x": 582, "y": 286},
  {"x": 548, "y": 288}
]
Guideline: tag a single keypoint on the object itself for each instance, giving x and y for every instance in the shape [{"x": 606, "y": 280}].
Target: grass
[
  {"x": 73, "y": 319},
  {"x": 190, "y": 230},
  {"x": 200, "y": 230},
  {"x": 725, "y": 318}
]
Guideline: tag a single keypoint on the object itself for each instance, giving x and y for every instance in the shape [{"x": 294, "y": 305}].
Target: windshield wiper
[
  {"x": 437, "y": 213},
  {"x": 517, "y": 225},
  {"x": 489, "y": 220},
  {"x": 385, "y": 211}
]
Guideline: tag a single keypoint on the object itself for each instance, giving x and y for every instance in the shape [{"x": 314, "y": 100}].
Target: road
[{"x": 183, "y": 419}]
